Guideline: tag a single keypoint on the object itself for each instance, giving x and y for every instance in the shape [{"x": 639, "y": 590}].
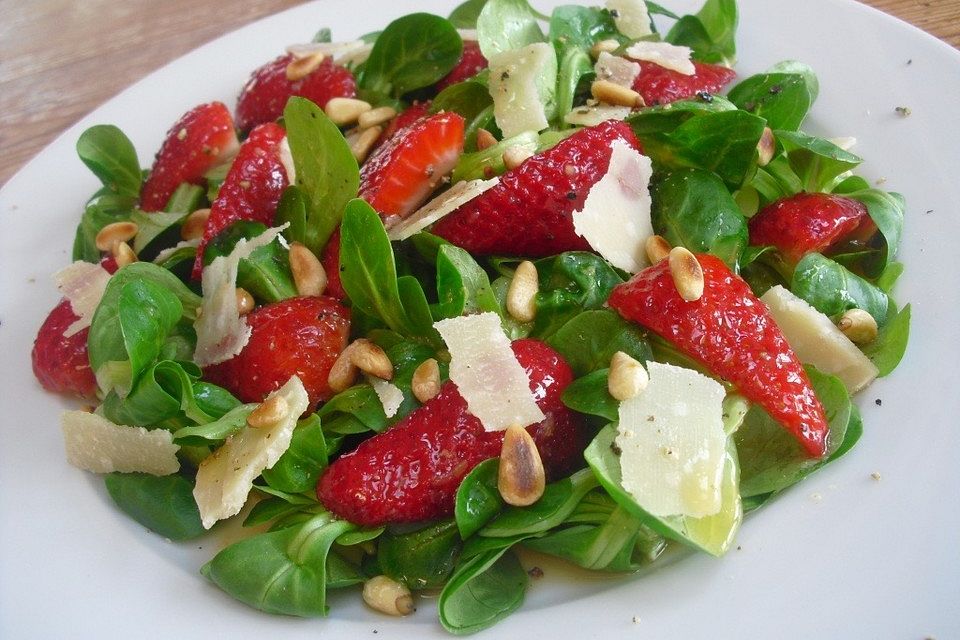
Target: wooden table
[{"x": 50, "y": 49}]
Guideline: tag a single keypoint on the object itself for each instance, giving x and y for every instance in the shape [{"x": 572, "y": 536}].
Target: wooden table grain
[{"x": 50, "y": 50}]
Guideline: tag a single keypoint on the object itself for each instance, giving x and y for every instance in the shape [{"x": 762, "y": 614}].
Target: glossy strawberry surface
[
  {"x": 298, "y": 336},
  {"x": 203, "y": 138},
  {"x": 404, "y": 119},
  {"x": 529, "y": 213},
  {"x": 411, "y": 472},
  {"x": 471, "y": 63},
  {"x": 268, "y": 89},
  {"x": 731, "y": 332},
  {"x": 330, "y": 259},
  {"x": 659, "y": 85}
]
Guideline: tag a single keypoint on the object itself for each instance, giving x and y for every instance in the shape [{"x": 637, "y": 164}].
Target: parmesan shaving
[
  {"x": 590, "y": 116},
  {"x": 391, "y": 397},
  {"x": 225, "y": 478},
  {"x": 447, "y": 202},
  {"x": 83, "y": 284},
  {"x": 487, "y": 373},
  {"x": 668, "y": 56},
  {"x": 286, "y": 159},
  {"x": 95, "y": 444},
  {"x": 631, "y": 17},
  {"x": 616, "y": 70},
  {"x": 221, "y": 331},
  {"x": 521, "y": 85}
]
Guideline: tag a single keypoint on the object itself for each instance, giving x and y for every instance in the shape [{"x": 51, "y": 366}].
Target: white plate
[{"x": 842, "y": 555}]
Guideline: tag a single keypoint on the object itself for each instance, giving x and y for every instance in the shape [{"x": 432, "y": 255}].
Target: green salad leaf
[
  {"x": 506, "y": 25},
  {"x": 111, "y": 156},
  {"x": 163, "y": 504}
]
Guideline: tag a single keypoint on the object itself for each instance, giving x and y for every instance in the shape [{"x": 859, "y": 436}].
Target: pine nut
[
  {"x": 766, "y": 147},
  {"x": 657, "y": 248},
  {"x": 521, "y": 478},
  {"x": 615, "y": 94},
  {"x": 388, "y": 596},
  {"x": 308, "y": 273},
  {"x": 380, "y": 115},
  {"x": 194, "y": 224},
  {"x": 687, "y": 273},
  {"x": 269, "y": 413},
  {"x": 522, "y": 293},
  {"x": 485, "y": 139},
  {"x": 344, "y": 111},
  {"x": 603, "y": 45},
  {"x": 627, "y": 377},
  {"x": 123, "y": 254},
  {"x": 343, "y": 373},
  {"x": 858, "y": 325},
  {"x": 115, "y": 232},
  {"x": 515, "y": 155},
  {"x": 245, "y": 301},
  {"x": 426, "y": 380},
  {"x": 364, "y": 143},
  {"x": 371, "y": 359},
  {"x": 302, "y": 66}
]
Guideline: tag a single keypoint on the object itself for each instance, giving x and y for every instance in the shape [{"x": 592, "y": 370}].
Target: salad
[{"x": 470, "y": 286}]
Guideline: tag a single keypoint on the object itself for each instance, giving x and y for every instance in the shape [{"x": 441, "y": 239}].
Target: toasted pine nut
[
  {"x": 858, "y": 325},
  {"x": 245, "y": 301},
  {"x": 615, "y": 94},
  {"x": 370, "y": 358},
  {"x": 426, "y": 380},
  {"x": 193, "y": 224},
  {"x": 604, "y": 45},
  {"x": 687, "y": 273},
  {"x": 657, "y": 248},
  {"x": 372, "y": 118},
  {"x": 308, "y": 274},
  {"x": 627, "y": 377},
  {"x": 363, "y": 144},
  {"x": 302, "y": 66},
  {"x": 344, "y": 111},
  {"x": 515, "y": 155},
  {"x": 485, "y": 139},
  {"x": 343, "y": 373},
  {"x": 388, "y": 596},
  {"x": 766, "y": 147},
  {"x": 521, "y": 478},
  {"x": 123, "y": 254},
  {"x": 269, "y": 413},
  {"x": 115, "y": 232},
  {"x": 522, "y": 293}
]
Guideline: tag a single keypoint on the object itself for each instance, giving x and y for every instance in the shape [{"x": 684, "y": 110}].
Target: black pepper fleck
[
  {"x": 775, "y": 89},
  {"x": 504, "y": 76},
  {"x": 878, "y": 402},
  {"x": 571, "y": 195},
  {"x": 705, "y": 96}
]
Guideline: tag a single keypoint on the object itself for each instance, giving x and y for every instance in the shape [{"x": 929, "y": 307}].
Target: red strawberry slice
[
  {"x": 400, "y": 175},
  {"x": 659, "y": 85},
  {"x": 411, "y": 472},
  {"x": 268, "y": 89},
  {"x": 529, "y": 212},
  {"x": 331, "y": 265},
  {"x": 730, "y": 331},
  {"x": 202, "y": 138},
  {"x": 808, "y": 222},
  {"x": 404, "y": 119},
  {"x": 62, "y": 364},
  {"x": 471, "y": 63},
  {"x": 297, "y": 336},
  {"x": 252, "y": 187}
]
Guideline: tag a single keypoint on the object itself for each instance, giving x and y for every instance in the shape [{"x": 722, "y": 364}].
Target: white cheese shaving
[
  {"x": 487, "y": 373},
  {"x": 668, "y": 56},
  {"x": 334, "y": 49},
  {"x": 225, "y": 478},
  {"x": 817, "y": 341},
  {"x": 631, "y": 17},
  {"x": 83, "y": 284},
  {"x": 169, "y": 251},
  {"x": 355, "y": 56},
  {"x": 590, "y": 116},
  {"x": 391, "y": 397},
  {"x": 221, "y": 331},
  {"x": 616, "y": 70},
  {"x": 615, "y": 219},
  {"x": 447, "y": 202},
  {"x": 521, "y": 83},
  {"x": 672, "y": 443},
  {"x": 98, "y": 445},
  {"x": 286, "y": 159},
  {"x": 468, "y": 34}
]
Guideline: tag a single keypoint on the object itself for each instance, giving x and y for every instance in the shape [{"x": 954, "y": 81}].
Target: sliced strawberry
[
  {"x": 731, "y": 332},
  {"x": 808, "y": 222},
  {"x": 62, "y": 364},
  {"x": 404, "y": 119},
  {"x": 201, "y": 139},
  {"x": 252, "y": 187},
  {"x": 411, "y": 472},
  {"x": 268, "y": 89},
  {"x": 529, "y": 212},
  {"x": 471, "y": 63},
  {"x": 659, "y": 85},
  {"x": 297, "y": 336},
  {"x": 331, "y": 264},
  {"x": 401, "y": 174}
]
